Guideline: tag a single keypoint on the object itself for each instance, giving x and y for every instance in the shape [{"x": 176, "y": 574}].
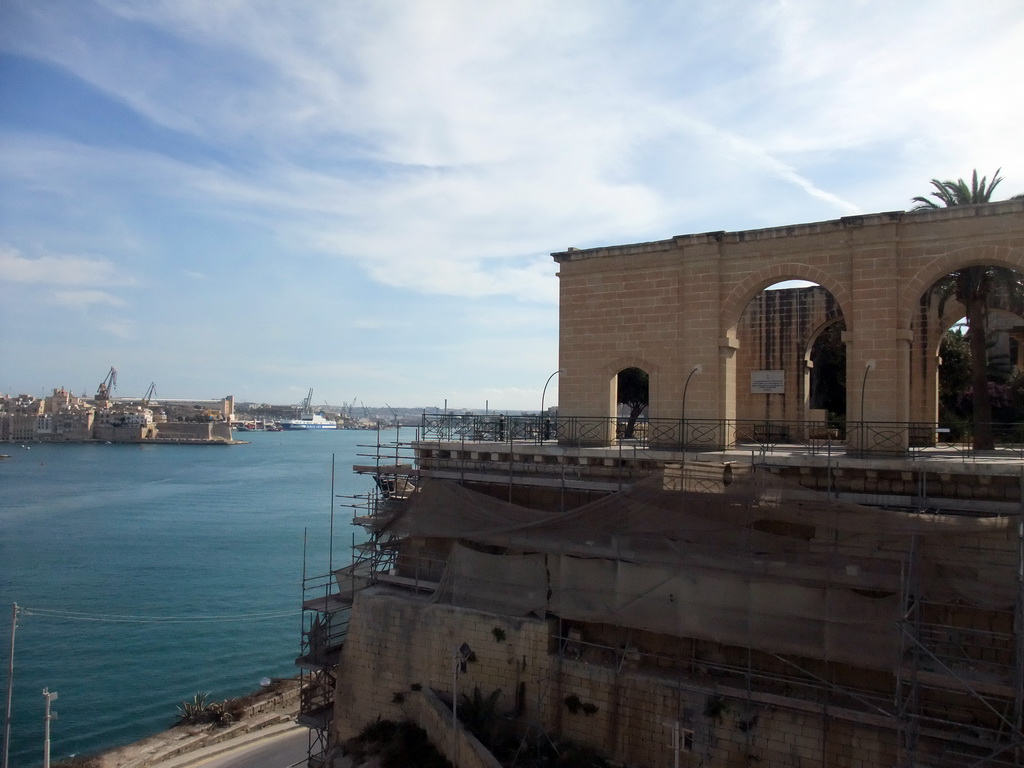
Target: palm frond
[{"x": 958, "y": 192}]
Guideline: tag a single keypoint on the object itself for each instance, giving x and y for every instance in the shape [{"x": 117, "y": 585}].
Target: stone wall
[
  {"x": 632, "y": 714},
  {"x": 395, "y": 645},
  {"x": 398, "y": 648},
  {"x": 189, "y": 431}
]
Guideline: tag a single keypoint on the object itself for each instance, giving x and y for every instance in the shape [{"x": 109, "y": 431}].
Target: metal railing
[{"x": 760, "y": 435}]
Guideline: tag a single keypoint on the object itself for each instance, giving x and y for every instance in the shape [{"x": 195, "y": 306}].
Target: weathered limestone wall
[
  {"x": 671, "y": 305},
  {"x": 395, "y": 644},
  {"x": 635, "y": 714},
  {"x": 120, "y": 434},
  {"x": 183, "y": 430},
  {"x": 638, "y": 323},
  {"x": 435, "y": 717}
]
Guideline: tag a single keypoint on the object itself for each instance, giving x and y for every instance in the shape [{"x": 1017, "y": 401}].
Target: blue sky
[{"x": 255, "y": 198}]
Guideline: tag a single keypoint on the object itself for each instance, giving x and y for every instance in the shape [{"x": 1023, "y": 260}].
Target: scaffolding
[
  {"x": 949, "y": 687},
  {"x": 328, "y": 597}
]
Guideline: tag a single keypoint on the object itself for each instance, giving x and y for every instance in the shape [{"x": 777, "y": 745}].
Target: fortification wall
[
  {"x": 631, "y": 715},
  {"x": 396, "y": 646},
  {"x": 185, "y": 430}
]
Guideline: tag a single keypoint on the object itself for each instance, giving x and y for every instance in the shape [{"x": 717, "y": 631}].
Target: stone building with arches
[
  {"x": 673, "y": 308},
  {"x": 710, "y": 607}
]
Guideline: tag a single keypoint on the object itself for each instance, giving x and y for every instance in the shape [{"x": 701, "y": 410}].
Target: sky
[{"x": 256, "y": 198}]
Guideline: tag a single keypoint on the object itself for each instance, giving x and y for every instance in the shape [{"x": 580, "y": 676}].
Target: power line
[{"x": 55, "y": 613}]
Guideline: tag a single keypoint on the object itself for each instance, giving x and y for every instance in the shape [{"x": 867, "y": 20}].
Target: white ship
[{"x": 307, "y": 419}]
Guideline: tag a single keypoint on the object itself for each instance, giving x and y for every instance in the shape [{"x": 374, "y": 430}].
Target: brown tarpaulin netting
[{"x": 762, "y": 563}]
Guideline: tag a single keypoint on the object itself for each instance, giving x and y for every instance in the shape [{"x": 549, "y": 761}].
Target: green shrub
[{"x": 398, "y": 745}]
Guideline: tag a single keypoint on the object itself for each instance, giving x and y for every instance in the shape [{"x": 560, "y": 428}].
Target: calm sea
[{"x": 175, "y": 570}]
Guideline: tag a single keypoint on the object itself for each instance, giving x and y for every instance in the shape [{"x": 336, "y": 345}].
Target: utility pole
[
  {"x": 50, "y": 697},
  {"x": 10, "y": 684}
]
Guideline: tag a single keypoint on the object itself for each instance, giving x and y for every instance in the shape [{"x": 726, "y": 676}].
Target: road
[{"x": 281, "y": 751}]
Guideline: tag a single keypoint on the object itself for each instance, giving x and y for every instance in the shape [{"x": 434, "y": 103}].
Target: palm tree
[
  {"x": 957, "y": 192},
  {"x": 972, "y": 287}
]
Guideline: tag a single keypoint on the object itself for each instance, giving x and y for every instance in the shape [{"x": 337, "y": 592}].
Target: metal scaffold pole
[{"x": 1018, "y": 702}]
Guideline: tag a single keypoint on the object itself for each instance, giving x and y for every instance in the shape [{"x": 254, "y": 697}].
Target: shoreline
[
  {"x": 94, "y": 441},
  {"x": 266, "y": 708}
]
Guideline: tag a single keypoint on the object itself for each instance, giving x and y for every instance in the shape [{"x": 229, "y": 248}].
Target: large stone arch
[
  {"x": 744, "y": 291},
  {"x": 940, "y": 266},
  {"x": 774, "y": 332},
  {"x": 793, "y": 405},
  {"x": 926, "y": 327}
]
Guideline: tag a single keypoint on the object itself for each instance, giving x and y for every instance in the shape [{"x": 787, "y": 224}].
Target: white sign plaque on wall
[{"x": 768, "y": 382}]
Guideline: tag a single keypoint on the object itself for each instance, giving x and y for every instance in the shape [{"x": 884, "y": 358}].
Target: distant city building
[{"x": 63, "y": 417}]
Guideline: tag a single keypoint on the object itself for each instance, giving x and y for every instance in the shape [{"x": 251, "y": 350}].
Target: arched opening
[
  {"x": 968, "y": 334},
  {"x": 790, "y": 360},
  {"x": 632, "y": 397},
  {"x": 827, "y": 375}
]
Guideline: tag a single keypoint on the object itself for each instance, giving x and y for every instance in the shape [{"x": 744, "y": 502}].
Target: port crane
[
  {"x": 149, "y": 395},
  {"x": 307, "y": 404},
  {"x": 106, "y": 387}
]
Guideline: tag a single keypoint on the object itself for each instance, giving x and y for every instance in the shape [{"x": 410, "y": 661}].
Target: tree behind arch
[
  {"x": 972, "y": 287},
  {"x": 634, "y": 392}
]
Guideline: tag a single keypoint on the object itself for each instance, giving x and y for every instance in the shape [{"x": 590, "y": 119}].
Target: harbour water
[{"x": 149, "y": 573}]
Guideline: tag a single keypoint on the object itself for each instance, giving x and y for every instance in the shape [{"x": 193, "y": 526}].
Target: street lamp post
[
  {"x": 50, "y": 715},
  {"x": 869, "y": 366},
  {"x": 459, "y": 659},
  {"x": 544, "y": 393},
  {"x": 545, "y": 390},
  {"x": 695, "y": 370},
  {"x": 10, "y": 684}
]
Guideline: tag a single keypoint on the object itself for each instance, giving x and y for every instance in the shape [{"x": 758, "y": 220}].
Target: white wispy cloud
[
  {"x": 87, "y": 298},
  {"x": 59, "y": 269},
  {"x": 120, "y": 330}
]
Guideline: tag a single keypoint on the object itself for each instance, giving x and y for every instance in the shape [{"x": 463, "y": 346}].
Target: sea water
[{"x": 147, "y": 574}]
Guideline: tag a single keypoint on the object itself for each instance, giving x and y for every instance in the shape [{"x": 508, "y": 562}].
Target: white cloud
[
  {"x": 121, "y": 330},
  {"x": 59, "y": 269},
  {"x": 86, "y": 298}
]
